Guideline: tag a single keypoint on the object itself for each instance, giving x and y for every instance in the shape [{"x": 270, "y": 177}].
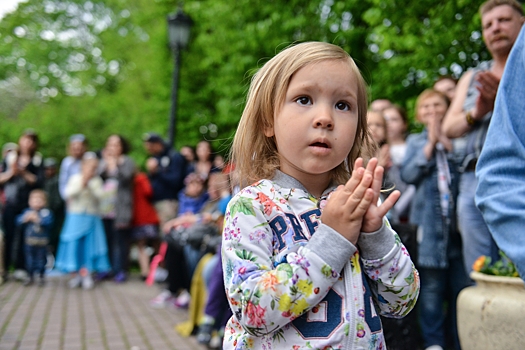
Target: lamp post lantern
[{"x": 179, "y": 26}]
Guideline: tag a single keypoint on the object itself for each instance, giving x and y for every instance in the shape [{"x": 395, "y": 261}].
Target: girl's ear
[{"x": 268, "y": 131}]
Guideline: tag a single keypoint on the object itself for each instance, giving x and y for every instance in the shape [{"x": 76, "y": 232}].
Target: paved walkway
[{"x": 111, "y": 316}]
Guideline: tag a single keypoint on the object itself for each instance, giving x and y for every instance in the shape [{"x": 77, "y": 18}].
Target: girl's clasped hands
[{"x": 355, "y": 207}]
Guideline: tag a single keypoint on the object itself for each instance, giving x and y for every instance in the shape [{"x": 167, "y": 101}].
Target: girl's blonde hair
[{"x": 254, "y": 154}]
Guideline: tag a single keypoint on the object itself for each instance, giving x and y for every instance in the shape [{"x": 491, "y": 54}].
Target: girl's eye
[
  {"x": 342, "y": 106},
  {"x": 303, "y": 100}
]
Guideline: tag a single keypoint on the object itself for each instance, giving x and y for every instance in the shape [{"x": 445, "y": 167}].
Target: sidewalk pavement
[{"x": 110, "y": 317}]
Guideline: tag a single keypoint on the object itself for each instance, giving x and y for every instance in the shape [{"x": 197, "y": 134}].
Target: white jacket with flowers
[{"x": 292, "y": 289}]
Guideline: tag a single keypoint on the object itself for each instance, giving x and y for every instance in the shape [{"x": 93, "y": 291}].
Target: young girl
[
  {"x": 83, "y": 248},
  {"x": 429, "y": 165},
  {"x": 309, "y": 260}
]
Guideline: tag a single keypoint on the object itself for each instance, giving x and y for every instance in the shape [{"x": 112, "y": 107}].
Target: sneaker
[
  {"x": 120, "y": 277},
  {"x": 20, "y": 275},
  {"x": 101, "y": 276},
  {"x": 75, "y": 282},
  {"x": 161, "y": 300},
  {"x": 87, "y": 282},
  {"x": 183, "y": 300},
  {"x": 434, "y": 347}
]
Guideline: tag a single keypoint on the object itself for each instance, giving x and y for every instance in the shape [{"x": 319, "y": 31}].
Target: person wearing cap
[
  {"x": 22, "y": 172},
  {"x": 71, "y": 164},
  {"x": 166, "y": 171},
  {"x": 54, "y": 201}
]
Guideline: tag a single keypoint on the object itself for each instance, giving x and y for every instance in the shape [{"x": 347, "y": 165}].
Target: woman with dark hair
[
  {"x": 189, "y": 153},
  {"x": 204, "y": 163},
  {"x": 117, "y": 170},
  {"x": 22, "y": 171},
  {"x": 397, "y": 128}
]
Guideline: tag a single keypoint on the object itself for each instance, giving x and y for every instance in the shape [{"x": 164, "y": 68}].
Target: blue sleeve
[
  {"x": 46, "y": 219},
  {"x": 223, "y": 204},
  {"x": 415, "y": 164},
  {"x": 20, "y": 218},
  {"x": 173, "y": 175},
  {"x": 501, "y": 188}
]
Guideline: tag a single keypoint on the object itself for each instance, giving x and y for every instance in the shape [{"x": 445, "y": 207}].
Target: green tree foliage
[{"x": 102, "y": 67}]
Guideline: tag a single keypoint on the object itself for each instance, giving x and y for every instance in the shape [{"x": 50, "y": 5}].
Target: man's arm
[{"x": 455, "y": 123}]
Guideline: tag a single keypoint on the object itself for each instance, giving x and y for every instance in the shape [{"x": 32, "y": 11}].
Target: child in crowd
[
  {"x": 82, "y": 248},
  {"x": 429, "y": 165},
  {"x": 194, "y": 195},
  {"x": 309, "y": 258},
  {"x": 182, "y": 257},
  {"x": 36, "y": 222},
  {"x": 145, "y": 221}
]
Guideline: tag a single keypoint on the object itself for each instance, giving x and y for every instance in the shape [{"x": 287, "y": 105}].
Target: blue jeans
[
  {"x": 438, "y": 286},
  {"x": 118, "y": 241},
  {"x": 475, "y": 234},
  {"x": 36, "y": 258}
]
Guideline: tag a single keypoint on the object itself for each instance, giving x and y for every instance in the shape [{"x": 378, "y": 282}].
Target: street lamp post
[{"x": 179, "y": 26}]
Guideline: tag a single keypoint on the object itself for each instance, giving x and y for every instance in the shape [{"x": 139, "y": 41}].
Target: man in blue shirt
[
  {"x": 501, "y": 190},
  {"x": 166, "y": 171},
  {"x": 470, "y": 114}
]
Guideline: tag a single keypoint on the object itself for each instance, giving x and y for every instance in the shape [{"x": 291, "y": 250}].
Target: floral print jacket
[{"x": 289, "y": 288}]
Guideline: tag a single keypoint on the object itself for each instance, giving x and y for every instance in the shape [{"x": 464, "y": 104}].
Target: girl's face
[
  {"x": 316, "y": 126},
  {"x": 89, "y": 167},
  {"x": 396, "y": 126},
  {"x": 194, "y": 188},
  {"x": 377, "y": 126},
  {"x": 114, "y": 146},
  {"x": 431, "y": 107}
]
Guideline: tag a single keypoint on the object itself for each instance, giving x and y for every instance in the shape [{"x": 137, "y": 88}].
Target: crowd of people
[
  {"x": 436, "y": 173},
  {"x": 80, "y": 216},
  {"x": 88, "y": 209}
]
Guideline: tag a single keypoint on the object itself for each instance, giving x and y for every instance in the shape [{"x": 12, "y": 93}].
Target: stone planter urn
[{"x": 491, "y": 314}]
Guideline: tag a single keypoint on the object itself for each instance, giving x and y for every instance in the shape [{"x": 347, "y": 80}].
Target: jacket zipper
[{"x": 349, "y": 293}]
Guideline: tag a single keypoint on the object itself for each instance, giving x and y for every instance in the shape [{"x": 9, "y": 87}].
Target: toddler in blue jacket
[{"x": 36, "y": 222}]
